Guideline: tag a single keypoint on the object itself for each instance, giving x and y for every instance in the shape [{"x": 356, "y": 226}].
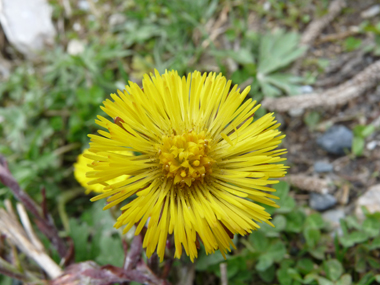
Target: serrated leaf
[
  {"x": 242, "y": 56},
  {"x": 277, "y": 50}
]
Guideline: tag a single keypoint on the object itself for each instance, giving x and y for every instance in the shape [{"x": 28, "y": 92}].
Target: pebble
[
  {"x": 370, "y": 200},
  {"x": 321, "y": 202},
  {"x": 75, "y": 47},
  {"x": 336, "y": 140},
  {"x": 333, "y": 217},
  {"x": 371, "y": 145},
  {"x": 27, "y": 25},
  {"x": 296, "y": 112},
  {"x": 323, "y": 166},
  {"x": 370, "y": 12}
]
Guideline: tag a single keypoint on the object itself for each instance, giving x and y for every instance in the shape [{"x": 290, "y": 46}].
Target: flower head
[{"x": 204, "y": 161}]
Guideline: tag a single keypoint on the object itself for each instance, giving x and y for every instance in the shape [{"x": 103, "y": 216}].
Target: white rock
[
  {"x": 370, "y": 199},
  {"x": 370, "y": 12},
  {"x": 75, "y": 47},
  {"x": 116, "y": 19},
  {"x": 27, "y": 24},
  {"x": 371, "y": 145}
]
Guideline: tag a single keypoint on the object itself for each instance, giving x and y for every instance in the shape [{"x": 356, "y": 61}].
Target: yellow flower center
[{"x": 185, "y": 157}]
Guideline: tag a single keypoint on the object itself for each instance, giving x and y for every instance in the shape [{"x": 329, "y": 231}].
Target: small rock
[
  {"x": 306, "y": 89},
  {"x": 336, "y": 140},
  {"x": 296, "y": 112},
  {"x": 75, "y": 47},
  {"x": 322, "y": 166},
  {"x": 371, "y": 145},
  {"x": 83, "y": 5},
  {"x": 321, "y": 202},
  {"x": 333, "y": 217},
  {"x": 266, "y": 6},
  {"x": 370, "y": 12},
  {"x": 116, "y": 19},
  {"x": 370, "y": 200},
  {"x": 27, "y": 24}
]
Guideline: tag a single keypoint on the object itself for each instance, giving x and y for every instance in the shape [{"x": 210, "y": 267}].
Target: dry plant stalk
[
  {"x": 314, "y": 29},
  {"x": 24, "y": 238},
  {"x": 341, "y": 94},
  {"x": 308, "y": 183}
]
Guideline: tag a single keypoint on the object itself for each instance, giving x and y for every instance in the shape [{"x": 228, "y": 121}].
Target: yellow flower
[
  {"x": 204, "y": 161},
  {"x": 82, "y": 166}
]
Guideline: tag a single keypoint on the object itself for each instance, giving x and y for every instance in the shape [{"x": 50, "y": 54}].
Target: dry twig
[
  {"x": 25, "y": 239},
  {"x": 314, "y": 29},
  {"x": 45, "y": 224},
  {"x": 341, "y": 94}
]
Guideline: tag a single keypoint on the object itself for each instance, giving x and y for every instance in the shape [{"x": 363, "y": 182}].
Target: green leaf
[
  {"x": 283, "y": 277},
  {"x": 79, "y": 232},
  {"x": 294, "y": 274},
  {"x": 111, "y": 250},
  {"x": 242, "y": 56},
  {"x": 358, "y": 146},
  {"x": 279, "y": 222},
  {"x": 295, "y": 221},
  {"x": 276, "y": 251},
  {"x": 259, "y": 240},
  {"x": 315, "y": 221},
  {"x": 373, "y": 262},
  {"x": 346, "y": 279},
  {"x": 333, "y": 269},
  {"x": 371, "y": 227},
  {"x": 310, "y": 278},
  {"x": 204, "y": 261},
  {"x": 324, "y": 281},
  {"x": 353, "y": 238},
  {"x": 319, "y": 252},
  {"x": 265, "y": 261},
  {"x": 375, "y": 244},
  {"x": 305, "y": 265},
  {"x": 268, "y": 274},
  {"x": 312, "y": 119},
  {"x": 277, "y": 50},
  {"x": 366, "y": 279},
  {"x": 363, "y": 131},
  {"x": 351, "y": 43},
  {"x": 312, "y": 236}
]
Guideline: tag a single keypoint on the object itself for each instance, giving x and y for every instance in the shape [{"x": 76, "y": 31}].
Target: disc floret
[{"x": 185, "y": 158}]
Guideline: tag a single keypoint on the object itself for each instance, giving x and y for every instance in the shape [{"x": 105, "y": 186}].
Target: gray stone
[
  {"x": 322, "y": 166},
  {"x": 333, "y": 217},
  {"x": 321, "y": 202},
  {"x": 336, "y": 140},
  {"x": 27, "y": 24},
  {"x": 370, "y": 12},
  {"x": 370, "y": 200}
]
